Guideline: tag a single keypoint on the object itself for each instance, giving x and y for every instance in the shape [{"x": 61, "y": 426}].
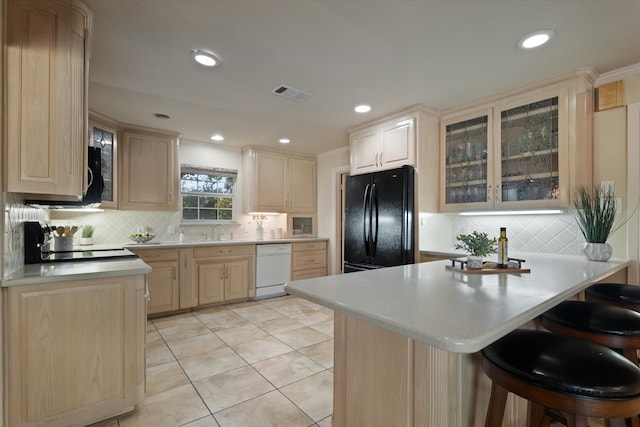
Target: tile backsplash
[
  {"x": 114, "y": 226},
  {"x": 556, "y": 234},
  {"x": 15, "y": 214}
]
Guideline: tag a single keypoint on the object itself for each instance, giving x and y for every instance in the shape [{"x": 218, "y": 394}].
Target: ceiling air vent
[{"x": 291, "y": 93}]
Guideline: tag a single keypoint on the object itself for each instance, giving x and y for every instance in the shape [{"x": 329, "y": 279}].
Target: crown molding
[{"x": 618, "y": 74}]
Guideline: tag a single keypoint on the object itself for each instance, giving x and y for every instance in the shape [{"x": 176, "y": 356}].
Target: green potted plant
[
  {"x": 87, "y": 235},
  {"x": 595, "y": 214},
  {"x": 477, "y": 245}
]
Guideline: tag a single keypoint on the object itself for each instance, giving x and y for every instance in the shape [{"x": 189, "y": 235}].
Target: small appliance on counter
[{"x": 38, "y": 249}]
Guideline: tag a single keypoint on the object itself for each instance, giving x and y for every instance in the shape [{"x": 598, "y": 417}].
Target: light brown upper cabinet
[
  {"x": 148, "y": 178},
  {"x": 278, "y": 182},
  {"x": 46, "y": 94},
  {"x": 405, "y": 137},
  {"x": 385, "y": 145},
  {"x": 528, "y": 149}
]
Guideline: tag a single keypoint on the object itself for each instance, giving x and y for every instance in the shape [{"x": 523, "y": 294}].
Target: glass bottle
[{"x": 503, "y": 248}]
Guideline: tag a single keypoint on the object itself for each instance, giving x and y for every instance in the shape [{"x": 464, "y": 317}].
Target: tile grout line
[{"x": 275, "y": 388}]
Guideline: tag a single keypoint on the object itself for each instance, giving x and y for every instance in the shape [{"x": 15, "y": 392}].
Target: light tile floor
[{"x": 264, "y": 363}]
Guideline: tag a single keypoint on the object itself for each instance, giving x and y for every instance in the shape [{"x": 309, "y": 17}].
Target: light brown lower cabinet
[
  {"x": 190, "y": 277},
  {"x": 308, "y": 259},
  {"x": 384, "y": 379},
  {"x": 163, "y": 281},
  {"x": 74, "y": 351},
  {"x": 224, "y": 273}
]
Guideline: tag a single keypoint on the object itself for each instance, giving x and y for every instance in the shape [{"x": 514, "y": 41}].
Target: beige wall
[
  {"x": 330, "y": 165},
  {"x": 610, "y": 154}
]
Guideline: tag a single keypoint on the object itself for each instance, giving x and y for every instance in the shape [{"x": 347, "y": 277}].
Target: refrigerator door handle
[
  {"x": 365, "y": 214},
  {"x": 373, "y": 220}
]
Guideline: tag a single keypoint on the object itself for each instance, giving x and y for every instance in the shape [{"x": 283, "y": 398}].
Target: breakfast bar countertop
[
  {"x": 34, "y": 274},
  {"x": 455, "y": 311}
]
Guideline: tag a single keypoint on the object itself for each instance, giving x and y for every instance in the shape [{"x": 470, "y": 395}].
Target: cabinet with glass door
[
  {"x": 529, "y": 152},
  {"x": 467, "y": 171},
  {"x": 526, "y": 151},
  {"x": 104, "y": 135}
]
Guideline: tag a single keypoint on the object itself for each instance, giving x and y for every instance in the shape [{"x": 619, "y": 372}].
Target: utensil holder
[{"x": 63, "y": 243}]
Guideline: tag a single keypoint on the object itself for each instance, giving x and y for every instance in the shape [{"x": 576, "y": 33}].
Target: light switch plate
[{"x": 607, "y": 185}]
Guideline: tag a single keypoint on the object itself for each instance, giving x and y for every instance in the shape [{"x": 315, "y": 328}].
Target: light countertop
[
  {"x": 193, "y": 243},
  {"x": 454, "y": 311},
  {"x": 33, "y": 274}
]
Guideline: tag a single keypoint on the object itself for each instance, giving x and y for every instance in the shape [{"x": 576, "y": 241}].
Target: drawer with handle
[
  {"x": 224, "y": 251},
  {"x": 150, "y": 255},
  {"x": 305, "y": 260},
  {"x": 307, "y": 246}
]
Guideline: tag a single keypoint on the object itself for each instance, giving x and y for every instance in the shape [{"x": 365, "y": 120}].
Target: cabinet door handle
[
  {"x": 498, "y": 198},
  {"x": 488, "y": 193},
  {"x": 226, "y": 273},
  {"x": 147, "y": 295},
  {"x": 174, "y": 272},
  {"x": 381, "y": 158},
  {"x": 222, "y": 273}
]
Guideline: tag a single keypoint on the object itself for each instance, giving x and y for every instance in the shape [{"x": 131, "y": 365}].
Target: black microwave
[{"x": 93, "y": 196}]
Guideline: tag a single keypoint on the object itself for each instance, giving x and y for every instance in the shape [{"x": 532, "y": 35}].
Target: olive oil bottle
[{"x": 503, "y": 248}]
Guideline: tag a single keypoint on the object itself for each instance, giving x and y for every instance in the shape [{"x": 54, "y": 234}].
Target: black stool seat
[
  {"x": 595, "y": 318},
  {"x": 609, "y": 325},
  {"x": 565, "y": 365},
  {"x": 628, "y": 295}
]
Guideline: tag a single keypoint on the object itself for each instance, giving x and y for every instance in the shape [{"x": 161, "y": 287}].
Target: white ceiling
[{"x": 388, "y": 53}]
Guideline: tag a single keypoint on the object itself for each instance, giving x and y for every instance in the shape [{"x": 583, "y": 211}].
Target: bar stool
[
  {"x": 627, "y": 296},
  {"x": 563, "y": 374},
  {"x": 608, "y": 325}
]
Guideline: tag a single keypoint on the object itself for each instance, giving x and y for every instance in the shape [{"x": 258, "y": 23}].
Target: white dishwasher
[{"x": 273, "y": 269}]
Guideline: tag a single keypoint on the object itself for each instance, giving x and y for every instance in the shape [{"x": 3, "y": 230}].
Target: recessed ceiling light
[
  {"x": 284, "y": 140},
  {"x": 217, "y": 137},
  {"x": 362, "y": 108},
  {"x": 206, "y": 58},
  {"x": 161, "y": 116},
  {"x": 535, "y": 39}
]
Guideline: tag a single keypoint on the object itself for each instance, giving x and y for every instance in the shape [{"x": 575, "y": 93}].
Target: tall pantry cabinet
[{"x": 46, "y": 96}]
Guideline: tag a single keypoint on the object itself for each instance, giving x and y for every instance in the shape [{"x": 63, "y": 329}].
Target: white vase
[
  {"x": 474, "y": 261},
  {"x": 597, "y": 251},
  {"x": 85, "y": 241}
]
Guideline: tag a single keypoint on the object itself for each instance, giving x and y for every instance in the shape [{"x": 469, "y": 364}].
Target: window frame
[{"x": 211, "y": 171}]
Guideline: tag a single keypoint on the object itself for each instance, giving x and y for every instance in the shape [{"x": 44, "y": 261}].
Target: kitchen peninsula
[{"x": 407, "y": 338}]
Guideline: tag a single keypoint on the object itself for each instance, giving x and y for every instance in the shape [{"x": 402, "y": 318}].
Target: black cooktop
[{"x": 87, "y": 255}]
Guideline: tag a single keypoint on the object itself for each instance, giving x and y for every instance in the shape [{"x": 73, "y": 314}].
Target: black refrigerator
[{"x": 379, "y": 220}]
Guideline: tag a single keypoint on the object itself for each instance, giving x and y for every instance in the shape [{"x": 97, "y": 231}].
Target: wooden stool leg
[
  {"x": 497, "y": 403},
  {"x": 580, "y": 421},
  {"x": 538, "y": 416},
  {"x": 616, "y": 423}
]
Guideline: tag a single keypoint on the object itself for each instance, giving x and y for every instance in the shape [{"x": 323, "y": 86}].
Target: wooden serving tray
[{"x": 460, "y": 265}]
